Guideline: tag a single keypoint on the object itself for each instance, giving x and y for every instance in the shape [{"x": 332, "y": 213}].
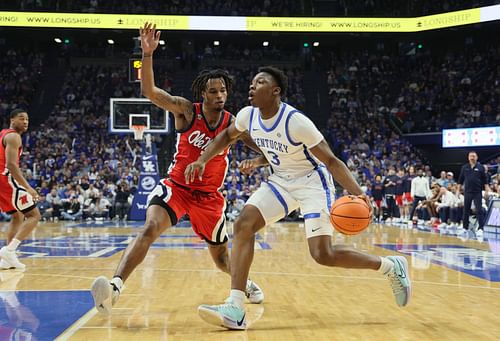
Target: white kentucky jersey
[{"x": 285, "y": 139}]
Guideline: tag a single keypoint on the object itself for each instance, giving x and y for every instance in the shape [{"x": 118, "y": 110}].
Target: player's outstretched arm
[
  {"x": 221, "y": 141},
  {"x": 249, "y": 142},
  {"x": 338, "y": 169},
  {"x": 150, "y": 38},
  {"x": 249, "y": 165},
  {"x": 12, "y": 144}
]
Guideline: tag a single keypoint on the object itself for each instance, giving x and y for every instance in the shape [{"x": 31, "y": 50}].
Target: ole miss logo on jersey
[
  {"x": 191, "y": 143},
  {"x": 199, "y": 139}
]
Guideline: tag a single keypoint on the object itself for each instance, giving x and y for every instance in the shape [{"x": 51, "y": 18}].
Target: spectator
[
  {"x": 99, "y": 208},
  {"x": 473, "y": 178},
  {"x": 74, "y": 210},
  {"x": 122, "y": 205},
  {"x": 420, "y": 190},
  {"x": 457, "y": 208},
  {"x": 55, "y": 202},
  {"x": 45, "y": 208}
]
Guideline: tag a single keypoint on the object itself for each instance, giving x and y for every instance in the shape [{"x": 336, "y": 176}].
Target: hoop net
[{"x": 138, "y": 131}]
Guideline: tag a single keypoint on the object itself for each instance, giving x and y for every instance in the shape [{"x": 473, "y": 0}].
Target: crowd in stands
[
  {"x": 460, "y": 89},
  {"x": 84, "y": 172},
  {"x": 419, "y": 92},
  {"x": 361, "y": 94},
  {"x": 80, "y": 170},
  {"x": 20, "y": 73},
  {"x": 442, "y": 201}
]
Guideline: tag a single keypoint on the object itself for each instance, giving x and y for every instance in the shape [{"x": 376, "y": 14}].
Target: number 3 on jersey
[{"x": 275, "y": 161}]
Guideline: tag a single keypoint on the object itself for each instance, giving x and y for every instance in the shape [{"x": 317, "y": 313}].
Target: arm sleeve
[
  {"x": 461, "y": 176},
  {"x": 303, "y": 130},
  {"x": 412, "y": 190},
  {"x": 243, "y": 119},
  {"x": 484, "y": 178}
]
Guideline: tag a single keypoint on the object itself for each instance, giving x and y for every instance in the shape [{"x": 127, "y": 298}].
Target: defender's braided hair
[{"x": 200, "y": 82}]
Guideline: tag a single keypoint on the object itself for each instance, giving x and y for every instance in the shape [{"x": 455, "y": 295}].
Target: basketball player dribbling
[
  {"x": 17, "y": 197},
  {"x": 302, "y": 162},
  {"x": 197, "y": 124}
]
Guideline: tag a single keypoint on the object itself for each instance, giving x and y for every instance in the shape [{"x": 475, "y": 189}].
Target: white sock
[
  {"x": 117, "y": 281},
  {"x": 238, "y": 297},
  {"x": 14, "y": 243},
  {"x": 386, "y": 265}
]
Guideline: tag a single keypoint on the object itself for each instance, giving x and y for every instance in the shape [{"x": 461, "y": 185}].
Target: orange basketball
[{"x": 350, "y": 215}]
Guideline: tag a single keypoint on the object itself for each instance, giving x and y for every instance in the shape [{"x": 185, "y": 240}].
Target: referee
[{"x": 473, "y": 178}]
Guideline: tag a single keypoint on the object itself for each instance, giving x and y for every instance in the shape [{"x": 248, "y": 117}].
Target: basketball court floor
[{"x": 456, "y": 288}]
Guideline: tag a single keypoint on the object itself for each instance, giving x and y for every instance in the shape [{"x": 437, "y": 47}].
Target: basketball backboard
[{"x": 126, "y": 112}]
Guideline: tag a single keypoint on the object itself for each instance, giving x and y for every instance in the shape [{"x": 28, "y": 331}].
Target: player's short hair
[
  {"x": 278, "y": 75},
  {"x": 16, "y": 112},
  {"x": 200, "y": 82}
]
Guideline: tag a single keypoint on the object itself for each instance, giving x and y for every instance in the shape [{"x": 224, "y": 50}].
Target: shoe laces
[
  {"x": 396, "y": 285},
  {"x": 251, "y": 289}
]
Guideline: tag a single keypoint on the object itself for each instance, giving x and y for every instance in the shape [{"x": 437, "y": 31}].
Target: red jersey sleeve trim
[{"x": 196, "y": 111}]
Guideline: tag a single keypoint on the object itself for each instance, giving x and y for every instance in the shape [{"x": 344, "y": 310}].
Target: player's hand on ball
[
  {"x": 192, "y": 169},
  {"x": 150, "y": 38},
  {"x": 368, "y": 203},
  {"x": 248, "y": 166}
]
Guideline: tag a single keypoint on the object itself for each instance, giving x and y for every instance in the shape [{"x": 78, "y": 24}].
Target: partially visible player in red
[
  {"x": 17, "y": 197},
  {"x": 400, "y": 193},
  {"x": 197, "y": 124},
  {"x": 378, "y": 196},
  {"x": 407, "y": 198}
]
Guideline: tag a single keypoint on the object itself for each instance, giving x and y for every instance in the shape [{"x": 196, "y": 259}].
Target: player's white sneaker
[
  {"x": 5, "y": 266},
  {"x": 105, "y": 294},
  {"x": 399, "y": 277},
  {"x": 9, "y": 259},
  {"x": 226, "y": 315},
  {"x": 254, "y": 293},
  {"x": 480, "y": 235}
]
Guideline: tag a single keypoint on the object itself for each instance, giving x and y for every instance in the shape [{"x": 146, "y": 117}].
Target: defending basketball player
[
  {"x": 302, "y": 163},
  {"x": 197, "y": 124},
  {"x": 17, "y": 197}
]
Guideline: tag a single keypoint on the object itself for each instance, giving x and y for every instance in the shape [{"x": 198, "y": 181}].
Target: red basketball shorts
[
  {"x": 206, "y": 210},
  {"x": 13, "y": 197}
]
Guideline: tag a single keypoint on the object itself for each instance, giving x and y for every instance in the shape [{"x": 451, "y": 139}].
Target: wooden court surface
[{"x": 456, "y": 288}]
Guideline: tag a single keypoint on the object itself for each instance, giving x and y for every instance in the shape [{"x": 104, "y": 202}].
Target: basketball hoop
[{"x": 138, "y": 131}]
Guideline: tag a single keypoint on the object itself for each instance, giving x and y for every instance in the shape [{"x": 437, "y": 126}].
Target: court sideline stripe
[
  {"x": 77, "y": 325},
  {"x": 278, "y": 274}
]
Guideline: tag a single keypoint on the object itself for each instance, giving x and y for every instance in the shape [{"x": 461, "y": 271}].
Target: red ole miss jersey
[
  {"x": 191, "y": 142},
  {"x": 3, "y": 158}
]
